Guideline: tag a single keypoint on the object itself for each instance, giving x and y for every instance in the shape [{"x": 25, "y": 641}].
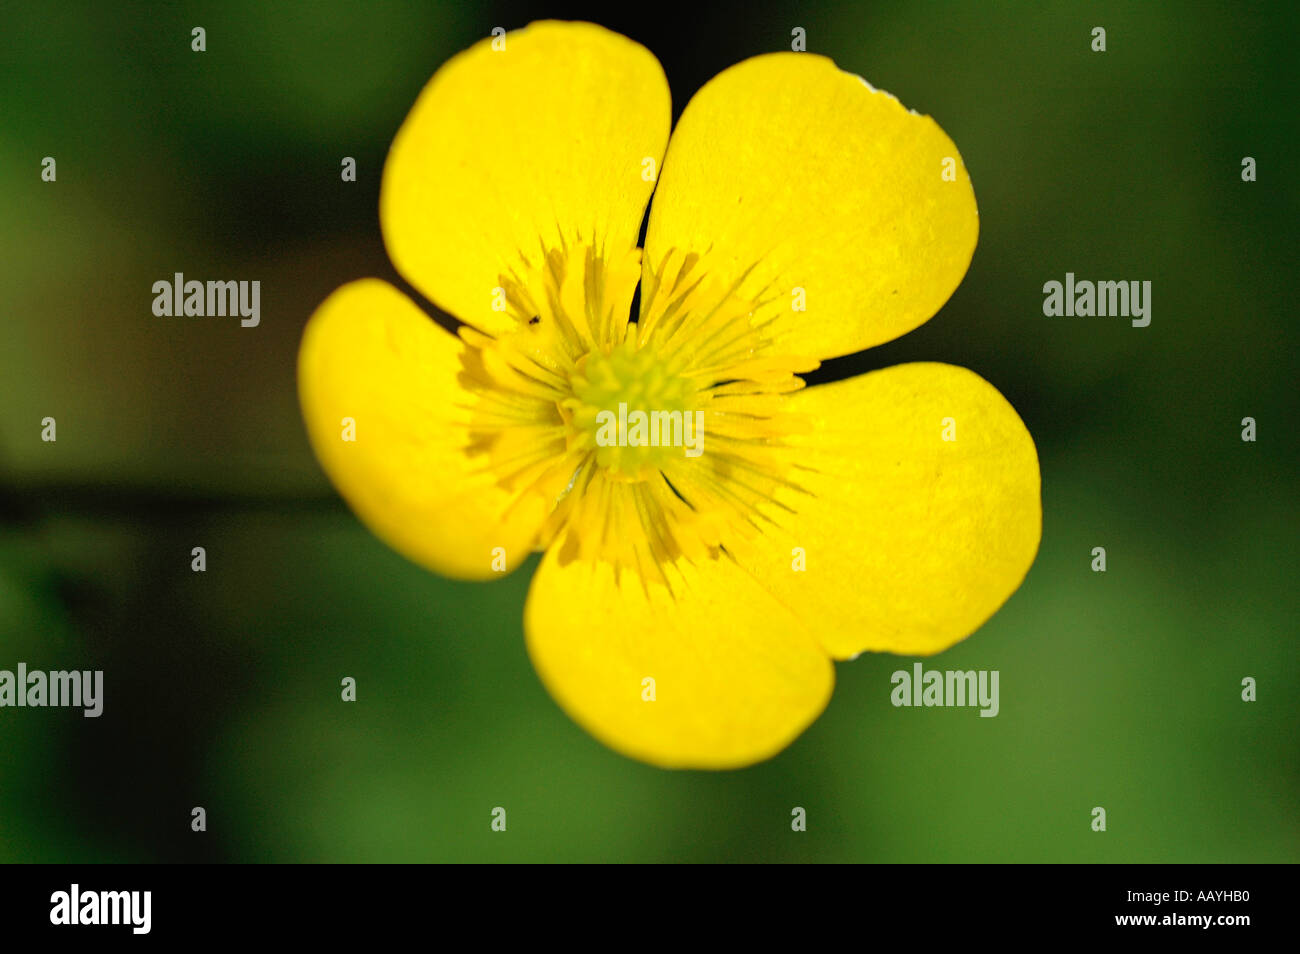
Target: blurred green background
[{"x": 222, "y": 689}]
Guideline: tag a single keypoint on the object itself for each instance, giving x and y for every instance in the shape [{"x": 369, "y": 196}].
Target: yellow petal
[
  {"x": 370, "y": 356},
  {"x": 910, "y": 541},
  {"x": 509, "y": 153},
  {"x": 736, "y": 676},
  {"x": 787, "y": 174}
]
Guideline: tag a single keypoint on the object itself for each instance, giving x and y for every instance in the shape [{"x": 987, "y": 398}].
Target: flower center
[
  {"x": 600, "y": 422},
  {"x": 633, "y": 410}
]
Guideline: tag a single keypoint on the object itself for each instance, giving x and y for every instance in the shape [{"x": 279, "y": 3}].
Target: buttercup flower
[{"x": 688, "y": 606}]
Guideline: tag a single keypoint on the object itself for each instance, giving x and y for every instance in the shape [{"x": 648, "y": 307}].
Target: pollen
[{"x": 561, "y": 394}]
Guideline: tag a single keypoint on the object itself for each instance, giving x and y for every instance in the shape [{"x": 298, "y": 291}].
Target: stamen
[{"x": 575, "y": 372}]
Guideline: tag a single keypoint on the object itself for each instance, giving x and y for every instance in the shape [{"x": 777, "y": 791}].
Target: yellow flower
[{"x": 688, "y": 608}]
